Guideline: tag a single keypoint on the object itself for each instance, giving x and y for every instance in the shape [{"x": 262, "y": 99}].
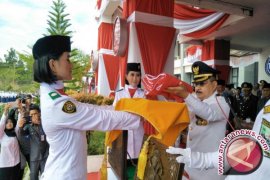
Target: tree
[
  {"x": 58, "y": 25},
  {"x": 11, "y": 57}
]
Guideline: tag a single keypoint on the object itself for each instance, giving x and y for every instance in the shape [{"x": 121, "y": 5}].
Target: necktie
[{"x": 131, "y": 92}]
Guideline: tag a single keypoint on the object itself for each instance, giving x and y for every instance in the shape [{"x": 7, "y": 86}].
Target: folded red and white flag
[{"x": 155, "y": 85}]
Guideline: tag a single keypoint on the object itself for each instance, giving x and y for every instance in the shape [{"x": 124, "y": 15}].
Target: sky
[{"x": 22, "y": 22}]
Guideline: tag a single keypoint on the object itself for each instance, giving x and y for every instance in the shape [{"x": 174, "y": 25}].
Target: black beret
[
  {"x": 202, "y": 71},
  {"x": 221, "y": 82},
  {"x": 133, "y": 67},
  {"x": 266, "y": 85},
  {"x": 246, "y": 85},
  {"x": 55, "y": 44}
]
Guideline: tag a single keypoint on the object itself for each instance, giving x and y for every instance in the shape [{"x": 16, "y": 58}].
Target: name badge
[{"x": 42, "y": 137}]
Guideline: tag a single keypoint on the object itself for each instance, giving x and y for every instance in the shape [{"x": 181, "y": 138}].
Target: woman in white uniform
[
  {"x": 9, "y": 148},
  {"x": 132, "y": 90},
  {"x": 63, "y": 118}
]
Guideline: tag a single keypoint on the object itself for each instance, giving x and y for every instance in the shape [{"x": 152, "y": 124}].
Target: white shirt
[
  {"x": 10, "y": 151},
  {"x": 206, "y": 138},
  {"x": 135, "y": 137},
  {"x": 66, "y": 131}
]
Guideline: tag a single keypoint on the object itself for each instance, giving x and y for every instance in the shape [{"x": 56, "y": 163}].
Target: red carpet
[{"x": 93, "y": 176}]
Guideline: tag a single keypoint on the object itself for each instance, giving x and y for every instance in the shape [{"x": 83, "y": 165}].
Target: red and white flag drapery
[
  {"x": 111, "y": 63},
  {"x": 196, "y": 23}
]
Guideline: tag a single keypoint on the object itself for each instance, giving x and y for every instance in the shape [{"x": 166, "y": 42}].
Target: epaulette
[{"x": 120, "y": 90}]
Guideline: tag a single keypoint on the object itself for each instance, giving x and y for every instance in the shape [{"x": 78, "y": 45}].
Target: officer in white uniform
[
  {"x": 132, "y": 90},
  {"x": 63, "y": 118},
  {"x": 208, "y": 114},
  {"x": 210, "y": 160}
]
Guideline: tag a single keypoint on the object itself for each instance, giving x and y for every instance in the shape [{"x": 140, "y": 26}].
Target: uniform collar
[
  {"x": 130, "y": 87},
  {"x": 57, "y": 85}
]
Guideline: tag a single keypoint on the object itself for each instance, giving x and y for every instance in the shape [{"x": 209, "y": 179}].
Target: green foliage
[
  {"x": 11, "y": 57},
  {"x": 17, "y": 76},
  {"x": 58, "y": 22},
  {"x": 96, "y": 143},
  {"x": 58, "y": 25},
  {"x": 1, "y": 109}
]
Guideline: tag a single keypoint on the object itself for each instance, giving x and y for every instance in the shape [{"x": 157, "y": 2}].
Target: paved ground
[{"x": 93, "y": 165}]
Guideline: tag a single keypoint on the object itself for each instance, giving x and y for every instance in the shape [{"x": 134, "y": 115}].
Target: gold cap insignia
[{"x": 196, "y": 70}]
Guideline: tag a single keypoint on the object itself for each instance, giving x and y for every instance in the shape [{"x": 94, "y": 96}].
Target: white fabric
[
  {"x": 189, "y": 26},
  {"x": 9, "y": 152},
  {"x": 103, "y": 82},
  {"x": 206, "y": 138},
  {"x": 149, "y": 18},
  {"x": 66, "y": 133},
  {"x": 135, "y": 137}
]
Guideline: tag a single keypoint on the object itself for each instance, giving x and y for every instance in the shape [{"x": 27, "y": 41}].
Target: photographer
[
  {"x": 39, "y": 147},
  {"x": 9, "y": 148}
]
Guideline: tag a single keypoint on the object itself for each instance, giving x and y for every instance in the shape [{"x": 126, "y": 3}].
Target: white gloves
[
  {"x": 196, "y": 160},
  {"x": 185, "y": 154}
]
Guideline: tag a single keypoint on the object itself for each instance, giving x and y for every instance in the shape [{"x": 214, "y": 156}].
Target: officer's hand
[
  {"x": 180, "y": 90},
  {"x": 21, "y": 122},
  {"x": 185, "y": 154}
]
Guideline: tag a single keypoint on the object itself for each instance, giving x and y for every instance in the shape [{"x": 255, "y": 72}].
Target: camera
[
  {"x": 23, "y": 100},
  {"x": 28, "y": 119}
]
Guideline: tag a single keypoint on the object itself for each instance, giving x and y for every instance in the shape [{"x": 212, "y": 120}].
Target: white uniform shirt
[
  {"x": 9, "y": 150},
  {"x": 135, "y": 137},
  {"x": 66, "y": 132},
  {"x": 206, "y": 138}
]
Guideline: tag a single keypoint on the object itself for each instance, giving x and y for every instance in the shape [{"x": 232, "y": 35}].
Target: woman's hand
[
  {"x": 6, "y": 108},
  {"x": 21, "y": 122}
]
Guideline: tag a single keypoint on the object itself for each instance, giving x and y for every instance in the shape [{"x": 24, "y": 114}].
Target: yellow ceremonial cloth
[{"x": 168, "y": 118}]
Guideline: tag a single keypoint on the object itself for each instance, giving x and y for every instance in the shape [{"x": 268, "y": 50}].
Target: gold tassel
[
  {"x": 103, "y": 169},
  {"x": 143, "y": 159}
]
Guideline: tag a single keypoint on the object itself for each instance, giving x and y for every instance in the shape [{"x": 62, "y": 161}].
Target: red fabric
[
  {"x": 209, "y": 29},
  {"x": 208, "y": 50},
  {"x": 131, "y": 92},
  {"x": 98, "y": 4},
  {"x": 155, "y": 85},
  {"x": 155, "y": 43},
  {"x": 224, "y": 71},
  {"x": 189, "y": 13},
  {"x": 96, "y": 79},
  {"x": 61, "y": 91},
  {"x": 105, "y": 31},
  {"x": 123, "y": 64},
  {"x": 192, "y": 49},
  {"x": 112, "y": 69},
  {"x": 159, "y": 7}
]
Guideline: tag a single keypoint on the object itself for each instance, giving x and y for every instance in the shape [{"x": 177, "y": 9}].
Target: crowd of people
[
  {"x": 23, "y": 141},
  {"x": 56, "y": 148}
]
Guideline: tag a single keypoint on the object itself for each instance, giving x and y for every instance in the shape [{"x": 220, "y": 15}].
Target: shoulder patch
[
  {"x": 69, "y": 107},
  {"x": 120, "y": 90},
  {"x": 266, "y": 109},
  {"x": 54, "y": 95}
]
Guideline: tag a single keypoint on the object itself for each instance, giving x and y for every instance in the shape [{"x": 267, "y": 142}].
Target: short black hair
[
  {"x": 42, "y": 70},
  {"x": 34, "y": 107}
]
